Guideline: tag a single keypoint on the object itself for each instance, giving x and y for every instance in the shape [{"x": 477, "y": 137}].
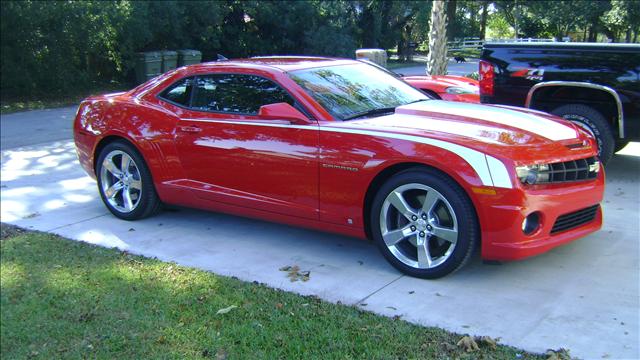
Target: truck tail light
[{"x": 486, "y": 78}]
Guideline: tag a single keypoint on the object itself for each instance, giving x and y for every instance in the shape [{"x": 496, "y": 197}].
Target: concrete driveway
[{"x": 583, "y": 296}]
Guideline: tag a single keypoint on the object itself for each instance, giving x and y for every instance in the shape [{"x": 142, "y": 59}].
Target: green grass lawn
[{"x": 66, "y": 299}]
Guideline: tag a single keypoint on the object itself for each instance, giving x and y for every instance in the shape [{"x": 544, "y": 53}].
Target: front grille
[
  {"x": 575, "y": 170},
  {"x": 573, "y": 220}
]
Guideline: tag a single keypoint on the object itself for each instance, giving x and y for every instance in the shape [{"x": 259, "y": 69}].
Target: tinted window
[
  {"x": 235, "y": 93},
  {"x": 348, "y": 90},
  {"x": 180, "y": 92}
]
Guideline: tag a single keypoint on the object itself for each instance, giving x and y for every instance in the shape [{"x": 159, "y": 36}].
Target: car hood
[
  {"x": 444, "y": 80},
  {"x": 519, "y": 134}
]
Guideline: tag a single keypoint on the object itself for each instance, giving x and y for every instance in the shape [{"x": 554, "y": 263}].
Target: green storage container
[
  {"x": 169, "y": 60},
  {"x": 148, "y": 66},
  {"x": 188, "y": 57}
]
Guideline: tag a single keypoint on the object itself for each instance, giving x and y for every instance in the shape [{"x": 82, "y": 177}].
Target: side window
[
  {"x": 235, "y": 93},
  {"x": 180, "y": 92}
]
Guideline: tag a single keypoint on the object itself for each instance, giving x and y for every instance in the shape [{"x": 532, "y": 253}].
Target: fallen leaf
[
  {"x": 487, "y": 341},
  {"x": 31, "y": 216},
  {"x": 294, "y": 273},
  {"x": 225, "y": 310},
  {"x": 560, "y": 354},
  {"x": 221, "y": 354},
  {"x": 468, "y": 344},
  {"x": 132, "y": 229},
  {"x": 279, "y": 305},
  {"x": 392, "y": 308},
  {"x": 411, "y": 292}
]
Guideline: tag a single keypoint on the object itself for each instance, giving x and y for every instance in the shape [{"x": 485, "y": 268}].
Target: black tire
[
  {"x": 620, "y": 145},
  {"x": 148, "y": 202},
  {"x": 591, "y": 120},
  {"x": 468, "y": 235}
]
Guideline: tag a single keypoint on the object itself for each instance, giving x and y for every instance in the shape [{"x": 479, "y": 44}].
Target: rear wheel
[
  {"x": 125, "y": 183},
  {"x": 592, "y": 121},
  {"x": 424, "y": 224}
]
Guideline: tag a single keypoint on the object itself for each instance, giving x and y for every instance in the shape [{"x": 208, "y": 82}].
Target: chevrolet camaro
[{"x": 341, "y": 146}]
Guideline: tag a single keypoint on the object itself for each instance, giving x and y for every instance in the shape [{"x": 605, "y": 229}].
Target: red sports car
[
  {"x": 341, "y": 146},
  {"x": 447, "y": 87}
]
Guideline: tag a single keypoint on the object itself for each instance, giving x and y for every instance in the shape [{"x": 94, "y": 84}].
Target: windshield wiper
[{"x": 371, "y": 112}]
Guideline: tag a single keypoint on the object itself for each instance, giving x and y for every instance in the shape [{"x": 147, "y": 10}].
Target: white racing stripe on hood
[{"x": 527, "y": 122}]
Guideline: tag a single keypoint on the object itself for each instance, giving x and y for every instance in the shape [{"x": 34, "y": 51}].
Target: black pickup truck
[{"x": 596, "y": 86}]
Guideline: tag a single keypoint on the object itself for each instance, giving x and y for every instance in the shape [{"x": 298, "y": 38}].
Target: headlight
[
  {"x": 460, "y": 90},
  {"x": 532, "y": 174}
]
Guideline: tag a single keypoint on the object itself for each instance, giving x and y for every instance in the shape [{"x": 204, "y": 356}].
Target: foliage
[
  {"x": 66, "y": 299},
  {"x": 498, "y": 27},
  {"x": 51, "y": 49}
]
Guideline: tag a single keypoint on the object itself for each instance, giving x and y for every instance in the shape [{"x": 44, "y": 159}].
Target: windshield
[{"x": 350, "y": 91}]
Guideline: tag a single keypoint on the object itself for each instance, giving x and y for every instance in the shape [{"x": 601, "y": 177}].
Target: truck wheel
[{"x": 592, "y": 121}]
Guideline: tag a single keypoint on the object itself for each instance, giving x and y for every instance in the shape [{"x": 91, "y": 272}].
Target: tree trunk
[
  {"x": 452, "y": 5},
  {"x": 483, "y": 20},
  {"x": 437, "y": 57},
  {"x": 628, "y": 37},
  {"x": 593, "y": 34}
]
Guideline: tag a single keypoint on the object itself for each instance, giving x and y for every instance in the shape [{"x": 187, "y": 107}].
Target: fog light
[{"x": 531, "y": 223}]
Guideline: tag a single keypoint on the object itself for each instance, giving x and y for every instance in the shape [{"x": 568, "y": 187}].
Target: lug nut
[
  {"x": 414, "y": 218},
  {"x": 413, "y": 228},
  {"x": 424, "y": 216},
  {"x": 429, "y": 227},
  {"x": 421, "y": 233}
]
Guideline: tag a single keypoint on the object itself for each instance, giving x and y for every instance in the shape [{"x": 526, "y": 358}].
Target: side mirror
[{"x": 282, "y": 111}]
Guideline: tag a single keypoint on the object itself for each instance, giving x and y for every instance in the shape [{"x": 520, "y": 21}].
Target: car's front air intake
[{"x": 575, "y": 219}]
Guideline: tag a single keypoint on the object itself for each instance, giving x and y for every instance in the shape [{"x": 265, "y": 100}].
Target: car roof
[{"x": 283, "y": 63}]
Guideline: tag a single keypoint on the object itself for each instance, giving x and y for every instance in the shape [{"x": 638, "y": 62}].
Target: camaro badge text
[{"x": 340, "y": 167}]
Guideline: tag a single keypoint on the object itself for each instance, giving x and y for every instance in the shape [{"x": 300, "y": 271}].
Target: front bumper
[{"x": 501, "y": 217}]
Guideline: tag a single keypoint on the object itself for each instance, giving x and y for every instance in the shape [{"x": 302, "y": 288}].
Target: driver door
[{"x": 234, "y": 156}]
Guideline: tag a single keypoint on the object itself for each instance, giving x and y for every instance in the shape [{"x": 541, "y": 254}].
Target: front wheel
[
  {"x": 424, "y": 224},
  {"x": 125, "y": 183}
]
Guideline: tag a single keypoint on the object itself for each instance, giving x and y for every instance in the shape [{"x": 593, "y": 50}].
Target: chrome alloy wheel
[
  {"x": 418, "y": 226},
  {"x": 121, "y": 182}
]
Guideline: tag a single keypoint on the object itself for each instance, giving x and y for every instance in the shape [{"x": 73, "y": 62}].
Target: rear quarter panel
[{"x": 148, "y": 127}]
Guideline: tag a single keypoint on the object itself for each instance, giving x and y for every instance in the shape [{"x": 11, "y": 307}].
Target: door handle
[{"x": 189, "y": 129}]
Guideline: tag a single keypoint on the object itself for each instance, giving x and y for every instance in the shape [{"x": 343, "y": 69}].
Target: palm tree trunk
[
  {"x": 483, "y": 19},
  {"x": 437, "y": 57}
]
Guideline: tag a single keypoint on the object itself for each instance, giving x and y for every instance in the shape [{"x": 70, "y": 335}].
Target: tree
[
  {"x": 437, "y": 57},
  {"x": 483, "y": 19},
  {"x": 622, "y": 19}
]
